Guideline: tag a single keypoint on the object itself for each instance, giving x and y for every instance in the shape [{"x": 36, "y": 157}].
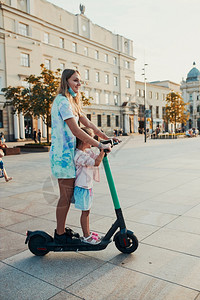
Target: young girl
[
  {"x": 86, "y": 162},
  {"x": 2, "y": 169},
  {"x": 65, "y": 113}
]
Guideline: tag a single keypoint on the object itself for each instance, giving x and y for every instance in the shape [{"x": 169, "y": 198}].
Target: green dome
[{"x": 193, "y": 74}]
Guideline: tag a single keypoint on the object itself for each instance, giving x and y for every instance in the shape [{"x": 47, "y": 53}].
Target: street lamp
[{"x": 145, "y": 87}]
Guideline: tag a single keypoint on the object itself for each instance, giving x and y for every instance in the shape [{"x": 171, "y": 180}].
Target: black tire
[
  {"x": 36, "y": 241},
  {"x": 126, "y": 249}
]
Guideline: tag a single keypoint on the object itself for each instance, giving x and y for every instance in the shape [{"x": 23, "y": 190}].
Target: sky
[{"x": 165, "y": 33}]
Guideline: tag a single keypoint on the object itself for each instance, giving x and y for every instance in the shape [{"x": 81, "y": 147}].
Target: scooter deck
[{"x": 77, "y": 245}]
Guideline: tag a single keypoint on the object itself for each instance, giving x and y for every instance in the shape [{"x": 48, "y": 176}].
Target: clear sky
[{"x": 165, "y": 33}]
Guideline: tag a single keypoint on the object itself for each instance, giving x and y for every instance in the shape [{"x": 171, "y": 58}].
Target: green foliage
[
  {"x": 37, "y": 99},
  {"x": 176, "y": 109}
]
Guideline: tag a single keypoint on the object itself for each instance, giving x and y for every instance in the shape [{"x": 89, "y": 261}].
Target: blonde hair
[{"x": 63, "y": 90}]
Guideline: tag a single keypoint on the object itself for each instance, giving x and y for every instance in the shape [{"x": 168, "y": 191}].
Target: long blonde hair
[{"x": 63, "y": 90}]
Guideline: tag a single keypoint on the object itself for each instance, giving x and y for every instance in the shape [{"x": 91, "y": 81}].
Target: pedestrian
[
  {"x": 86, "y": 162},
  {"x": 34, "y": 135},
  {"x": 2, "y": 168},
  {"x": 65, "y": 113},
  {"x": 2, "y": 145},
  {"x": 39, "y": 136}
]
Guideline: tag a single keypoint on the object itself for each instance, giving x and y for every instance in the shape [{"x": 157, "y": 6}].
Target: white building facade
[
  {"x": 30, "y": 34},
  {"x": 155, "y": 101},
  {"x": 191, "y": 95}
]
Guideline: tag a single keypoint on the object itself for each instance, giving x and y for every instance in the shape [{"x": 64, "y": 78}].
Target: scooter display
[{"x": 40, "y": 242}]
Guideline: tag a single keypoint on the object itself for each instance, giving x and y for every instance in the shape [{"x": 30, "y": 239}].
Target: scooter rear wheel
[
  {"x": 132, "y": 243},
  {"x": 37, "y": 245}
]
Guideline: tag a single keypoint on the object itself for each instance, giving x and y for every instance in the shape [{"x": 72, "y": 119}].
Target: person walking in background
[
  {"x": 2, "y": 168},
  {"x": 86, "y": 162},
  {"x": 39, "y": 136},
  {"x": 65, "y": 113},
  {"x": 34, "y": 135}
]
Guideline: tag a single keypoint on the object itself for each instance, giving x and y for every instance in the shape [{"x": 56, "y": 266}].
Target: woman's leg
[
  {"x": 85, "y": 223},
  {"x": 66, "y": 187}
]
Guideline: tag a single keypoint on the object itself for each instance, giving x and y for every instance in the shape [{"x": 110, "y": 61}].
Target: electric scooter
[{"x": 40, "y": 242}]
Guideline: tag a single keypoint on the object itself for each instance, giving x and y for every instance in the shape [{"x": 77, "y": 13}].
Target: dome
[{"x": 193, "y": 74}]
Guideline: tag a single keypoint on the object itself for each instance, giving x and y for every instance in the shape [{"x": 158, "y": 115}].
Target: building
[
  {"x": 191, "y": 95},
  {"x": 30, "y": 34},
  {"x": 156, "y": 93}
]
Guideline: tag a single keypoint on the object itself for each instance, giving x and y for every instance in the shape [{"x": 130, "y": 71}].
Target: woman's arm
[
  {"x": 86, "y": 122},
  {"x": 83, "y": 136}
]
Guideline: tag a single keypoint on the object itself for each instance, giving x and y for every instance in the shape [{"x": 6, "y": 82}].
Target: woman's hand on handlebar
[
  {"x": 116, "y": 140},
  {"x": 106, "y": 146}
]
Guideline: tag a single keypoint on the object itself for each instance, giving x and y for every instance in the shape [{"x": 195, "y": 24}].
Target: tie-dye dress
[{"x": 63, "y": 142}]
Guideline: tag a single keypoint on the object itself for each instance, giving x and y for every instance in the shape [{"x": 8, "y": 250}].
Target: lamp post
[{"x": 145, "y": 88}]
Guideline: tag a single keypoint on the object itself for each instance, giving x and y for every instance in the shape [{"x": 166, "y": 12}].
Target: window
[
  {"x": 115, "y": 81},
  {"x": 157, "y": 111},
  {"x": 47, "y": 64},
  {"x": 190, "y": 97},
  {"x": 46, "y": 37},
  {"x": 106, "y": 57},
  {"x": 25, "y": 84},
  {"x": 61, "y": 43},
  {"x": 128, "y": 98},
  {"x": 99, "y": 120},
  {"x": 89, "y": 116},
  {"x": 96, "y": 54},
  {"x": 62, "y": 66},
  {"x": 1, "y": 118},
  {"x": 25, "y": 60},
  {"x": 191, "y": 109},
  {"x": 97, "y": 97},
  {"x": 106, "y": 79},
  {"x": 163, "y": 97},
  {"x": 117, "y": 121},
  {"x": 138, "y": 93},
  {"x": 114, "y": 60},
  {"x": 87, "y": 95},
  {"x": 116, "y": 99},
  {"x": 141, "y": 109},
  {"x": 157, "y": 95},
  {"x": 127, "y": 64},
  {"x": 198, "y": 108},
  {"x": 151, "y": 109},
  {"x": 150, "y": 94},
  {"x": 74, "y": 47},
  {"x": 142, "y": 93},
  {"x": 23, "y": 29},
  {"x": 86, "y": 74},
  {"x": 86, "y": 51},
  {"x": 97, "y": 77},
  {"x": 128, "y": 83},
  {"x": 106, "y": 98},
  {"x": 163, "y": 112},
  {"x": 0, "y": 85},
  {"x": 108, "y": 120}
]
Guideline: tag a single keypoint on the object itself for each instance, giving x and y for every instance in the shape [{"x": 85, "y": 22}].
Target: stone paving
[{"x": 158, "y": 184}]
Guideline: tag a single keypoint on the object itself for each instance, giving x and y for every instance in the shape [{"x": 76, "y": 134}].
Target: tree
[
  {"x": 38, "y": 98},
  {"x": 176, "y": 109}
]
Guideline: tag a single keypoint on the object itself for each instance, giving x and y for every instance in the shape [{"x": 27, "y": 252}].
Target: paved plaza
[{"x": 158, "y": 184}]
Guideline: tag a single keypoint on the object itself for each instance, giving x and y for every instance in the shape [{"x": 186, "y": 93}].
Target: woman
[{"x": 65, "y": 114}]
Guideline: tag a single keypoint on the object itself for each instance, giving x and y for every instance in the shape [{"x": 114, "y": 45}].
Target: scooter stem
[{"x": 111, "y": 182}]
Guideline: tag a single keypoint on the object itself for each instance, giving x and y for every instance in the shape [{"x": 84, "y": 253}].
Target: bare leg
[
  {"x": 6, "y": 176},
  {"x": 66, "y": 187},
  {"x": 85, "y": 223}
]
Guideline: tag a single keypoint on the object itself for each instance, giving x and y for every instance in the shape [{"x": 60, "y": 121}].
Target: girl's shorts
[{"x": 83, "y": 198}]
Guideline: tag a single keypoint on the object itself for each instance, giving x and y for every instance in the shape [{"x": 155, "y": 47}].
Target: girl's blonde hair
[{"x": 63, "y": 90}]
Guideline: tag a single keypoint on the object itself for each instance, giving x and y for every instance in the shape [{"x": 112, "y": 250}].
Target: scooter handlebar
[{"x": 111, "y": 142}]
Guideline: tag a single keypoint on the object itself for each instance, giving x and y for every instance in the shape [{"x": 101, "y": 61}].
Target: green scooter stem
[{"x": 111, "y": 182}]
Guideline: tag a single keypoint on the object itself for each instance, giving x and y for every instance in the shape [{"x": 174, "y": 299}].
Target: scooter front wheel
[
  {"x": 123, "y": 246},
  {"x": 37, "y": 245}
]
